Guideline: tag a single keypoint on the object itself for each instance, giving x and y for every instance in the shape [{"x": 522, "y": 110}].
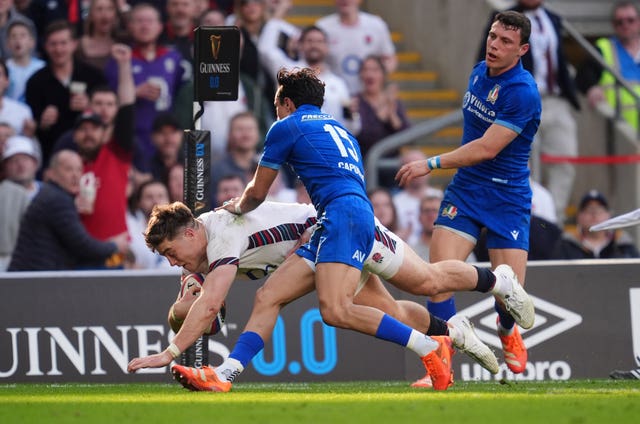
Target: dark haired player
[{"x": 491, "y": 187}]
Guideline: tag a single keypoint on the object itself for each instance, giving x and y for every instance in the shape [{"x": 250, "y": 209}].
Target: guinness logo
[{"x": 216, "y": 42}]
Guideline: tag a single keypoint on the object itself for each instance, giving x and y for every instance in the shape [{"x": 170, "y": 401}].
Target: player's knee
[
  {"x": 265, "y": 298},
  {"x": 334, "y": 315}
]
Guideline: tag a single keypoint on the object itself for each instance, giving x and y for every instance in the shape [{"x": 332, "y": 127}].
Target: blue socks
[
  {"x": 443, "y": 310},
  {"x": 249, "y": 344},
  {"x": 393, "y": 330}
]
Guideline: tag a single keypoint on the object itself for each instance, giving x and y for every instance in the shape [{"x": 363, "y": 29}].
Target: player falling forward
[
  {"x": 258, "y": 242},
  {"x": 328, "y": 161}
]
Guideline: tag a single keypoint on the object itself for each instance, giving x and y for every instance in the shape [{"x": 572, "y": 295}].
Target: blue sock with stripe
[{"x": 249, "y": 344}]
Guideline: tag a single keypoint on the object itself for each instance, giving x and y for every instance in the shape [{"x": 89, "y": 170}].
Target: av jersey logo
[
  {"x": 359, "y": 256},
  {"x": 546, "y": 313}
]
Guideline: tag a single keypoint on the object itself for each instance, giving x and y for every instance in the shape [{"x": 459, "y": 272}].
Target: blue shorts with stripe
[
  {"x": 344, "y": 233},
  {"x": 505, "y": 212}
]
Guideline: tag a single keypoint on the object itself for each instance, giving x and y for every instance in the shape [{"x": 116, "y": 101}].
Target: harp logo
[{"x": 216, "y": 43}]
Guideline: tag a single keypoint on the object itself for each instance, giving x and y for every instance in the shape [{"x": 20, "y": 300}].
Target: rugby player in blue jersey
[
  {"x": 491, "y": 187},
  {"x": 328, "y": 160}
]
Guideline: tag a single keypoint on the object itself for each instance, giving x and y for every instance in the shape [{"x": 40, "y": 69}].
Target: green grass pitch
[{"x": 571, "y": 402}]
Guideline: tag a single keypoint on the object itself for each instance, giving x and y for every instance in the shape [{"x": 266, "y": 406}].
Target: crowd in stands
[{"x": 94, "y": 97}]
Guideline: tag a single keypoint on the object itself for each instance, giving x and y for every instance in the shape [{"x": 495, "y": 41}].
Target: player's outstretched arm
[
  {"x": 487, "y": 147},
  {"x": 214, "y": 290}
]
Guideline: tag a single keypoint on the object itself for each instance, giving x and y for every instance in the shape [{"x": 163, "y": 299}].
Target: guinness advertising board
[{"x": 217, "y": 63}]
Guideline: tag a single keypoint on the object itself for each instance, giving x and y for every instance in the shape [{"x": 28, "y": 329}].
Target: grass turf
[{"x": 571, "y": 402}]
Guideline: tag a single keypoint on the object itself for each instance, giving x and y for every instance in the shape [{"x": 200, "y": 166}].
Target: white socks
[
  {"x": 421, "y": 343},
  {"x": 502, "y": 286},
  {"x": 229, "y": 370}
]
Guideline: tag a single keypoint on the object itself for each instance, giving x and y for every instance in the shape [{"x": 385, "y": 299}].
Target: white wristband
[
  {"x": 237, "y": 209},
  {"x": 174, "y": 351},
  {"x": 434, "y": 163}
]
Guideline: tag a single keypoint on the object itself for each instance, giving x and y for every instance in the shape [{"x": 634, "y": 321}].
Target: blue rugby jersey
[
  {"x": 511, "y": 100},
  {"x": 321, "y": 151}
]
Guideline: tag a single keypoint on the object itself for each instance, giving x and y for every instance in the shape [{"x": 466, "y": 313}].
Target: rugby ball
[{"x": 196, "y": 280}]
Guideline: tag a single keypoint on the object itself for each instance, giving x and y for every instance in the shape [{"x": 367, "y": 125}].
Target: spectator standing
[
  {"x": 385, "y": 211},
  {"x": 313, "y": 50},
  {"x": 20, "y": 160},
  {"x": 57, "y": 93},
  {"x": 158, "y": 72},
  {"x": 147, "y": 195},
  {"x": 45, "y": 12},
  {"x": 211, "y": 17},
  {"x": 51, "y": 235},
  {"x": 102, "y": 202},
  {"x": 15, "y": 200},
  {"x": 594, "y": 209},
  {"x": 9, "y": 15},
  {"x": 166, "y": 135},
  {"x": 354, "y": 35},
  {"x": 103, "y": 27},
  {"x": 250, "y": 17},
  {"x": 14, "y": 112},
  {"x": 558, "y": 134},
  {"x": 103, "y": 101},
  {"x": 381, "y": 112},
  {"x": 21, "y": 61},
  {"x": 179, "y": 27},
  {"x": 228, "y": 187},
  {"x": 242, "y": 151},
  {"x": 622, "y": 53}
]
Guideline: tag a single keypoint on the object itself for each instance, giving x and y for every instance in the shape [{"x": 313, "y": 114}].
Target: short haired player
[
  {"x": 258, "y": 242},
  {"x": 328, "y": 161},
  {"x": 491, "y": 189}
]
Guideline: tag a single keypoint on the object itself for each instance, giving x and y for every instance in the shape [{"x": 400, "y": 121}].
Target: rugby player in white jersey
[{"x": 225, "y": 246}]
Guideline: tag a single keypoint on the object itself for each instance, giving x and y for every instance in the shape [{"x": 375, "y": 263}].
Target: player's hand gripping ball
[{"x": 193, "y": 282}]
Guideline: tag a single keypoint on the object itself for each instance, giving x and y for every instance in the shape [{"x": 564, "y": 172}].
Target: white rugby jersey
[
  {"x": 349, "y": 45},
  {"x": 257, "y": 241}
]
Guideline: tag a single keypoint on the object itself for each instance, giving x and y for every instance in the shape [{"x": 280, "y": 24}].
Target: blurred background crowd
[{"x": 95, "y": 95}]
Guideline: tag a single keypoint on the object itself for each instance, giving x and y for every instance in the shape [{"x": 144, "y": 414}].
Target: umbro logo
[{"x": 551, "y": 320}]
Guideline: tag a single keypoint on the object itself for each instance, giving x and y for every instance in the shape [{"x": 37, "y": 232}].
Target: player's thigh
[
  {"x": 412, "y": 273},
  {"x": 336, "y": 283},
  {"x": 376, "y": 295},
  {"x": 292, "y": 280},
  {"x": 447, "y": 243},
  {"x": 515, "y": 258}
]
